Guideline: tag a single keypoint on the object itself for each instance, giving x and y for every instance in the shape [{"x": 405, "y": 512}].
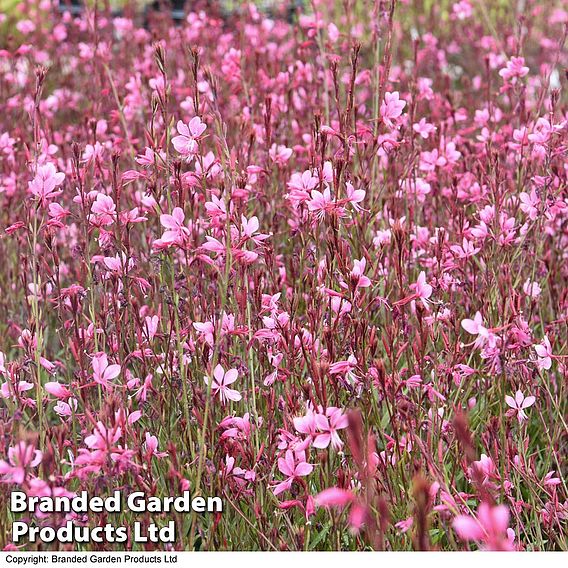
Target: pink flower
[
  {"x": 103, "y": 210},
  {"x": 118, "y": 265},
  {"x": 25, "y": 27},
  {"x": 307, "y": 424},
  {"x": 332, "y": 32},
  {"x": 43, "y": 185},
  {"x": 21, "y": 458},
  {"x": 65, "y": 408},
  {"x": 340, "y": 305},
  {"x": 519, "y": 404},
  {"x": 93, "y": 153},
  {"x": 321, "y": 203},
  {"x": 405, "y": 525},
  {"x": 14, "y": 390},
  {"x": 415, "y": 187},
  {"x": 466, "y": 250},
  {"x": 103, "y": 439},
  {"x": 151, "y": 326},
  {"x": 484, "y": 467},
  {"x": 414, "y": 381},
  {"x": 334, "y": 497},
  {"x": 150, "y": 157},
  {"x": 532, "y": 289},
  {"x": 343, "y": 367},
  {"x": 515, "y": 68},
  {"x": 529, "y": 204},
  {"x": 57, "y": 212},
  {"x": 57, "y": 390},
  {"x": 489, "y": 527},
  {"x": 550, "y": 481},
  {"x": 176, "y": 233},
  {"x": 151, "y": 447},
  {"x": 429, "y": 161},
  {"x": 422, "y": 289},
  {"x": 280, "y": 154},
  {"x": 237, "y": 427},
  {"x": 475, "y": 327},
  {"x": 300, "y": 186},
  {"x": 186, "y": 141},
  {"x": 216, "y": 209},
  {"x": 294, "y": 466},
  {"x": 221, "y": 380},
  {"x": 544, "y": 354},
  {"x": 208, "y": 167},
  {"x": 423, "y": 128},
  {"x": 102, "y": 371},
  {"x": 462, "y": 10},
  {"x": 357, "y": 277},
  {"x": 206, "y": 331},
  {"x": 354, "y": 196},
  {"x": 391, "y": 108},
  {"x": 341, "y": 498},
  {"x": 328, "y": 424},
  {"x": 248, "y": 229},
  {"x": 541, "y": 132}
]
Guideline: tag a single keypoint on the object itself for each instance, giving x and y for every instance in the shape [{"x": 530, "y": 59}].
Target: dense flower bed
[{"x": 316, "y": 268}]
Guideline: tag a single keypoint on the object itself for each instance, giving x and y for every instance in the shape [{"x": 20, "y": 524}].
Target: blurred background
[
  {"x": 443, "y": 7},
  {"x": 11, "y": 6},
  {"x": 142, "y": 11},
  {"x": 492, "y": 11},
  {"x": 13, "y": 10}
]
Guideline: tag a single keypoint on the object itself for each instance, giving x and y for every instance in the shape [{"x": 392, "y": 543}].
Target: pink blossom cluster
[{"x": 314, "y": 266}]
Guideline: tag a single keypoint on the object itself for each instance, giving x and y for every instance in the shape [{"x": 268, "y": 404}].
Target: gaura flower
[
  {"x": 221, "y": 382},
  {"x": 519, "y": 404}
]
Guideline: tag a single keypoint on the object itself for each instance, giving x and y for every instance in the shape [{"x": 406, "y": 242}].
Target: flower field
[{"x": 312, "y": 261}]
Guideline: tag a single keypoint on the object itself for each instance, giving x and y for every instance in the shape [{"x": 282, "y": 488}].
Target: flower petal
[
  {"x": 529, "y": 401},
  {"x": 230, "y": 377}
]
